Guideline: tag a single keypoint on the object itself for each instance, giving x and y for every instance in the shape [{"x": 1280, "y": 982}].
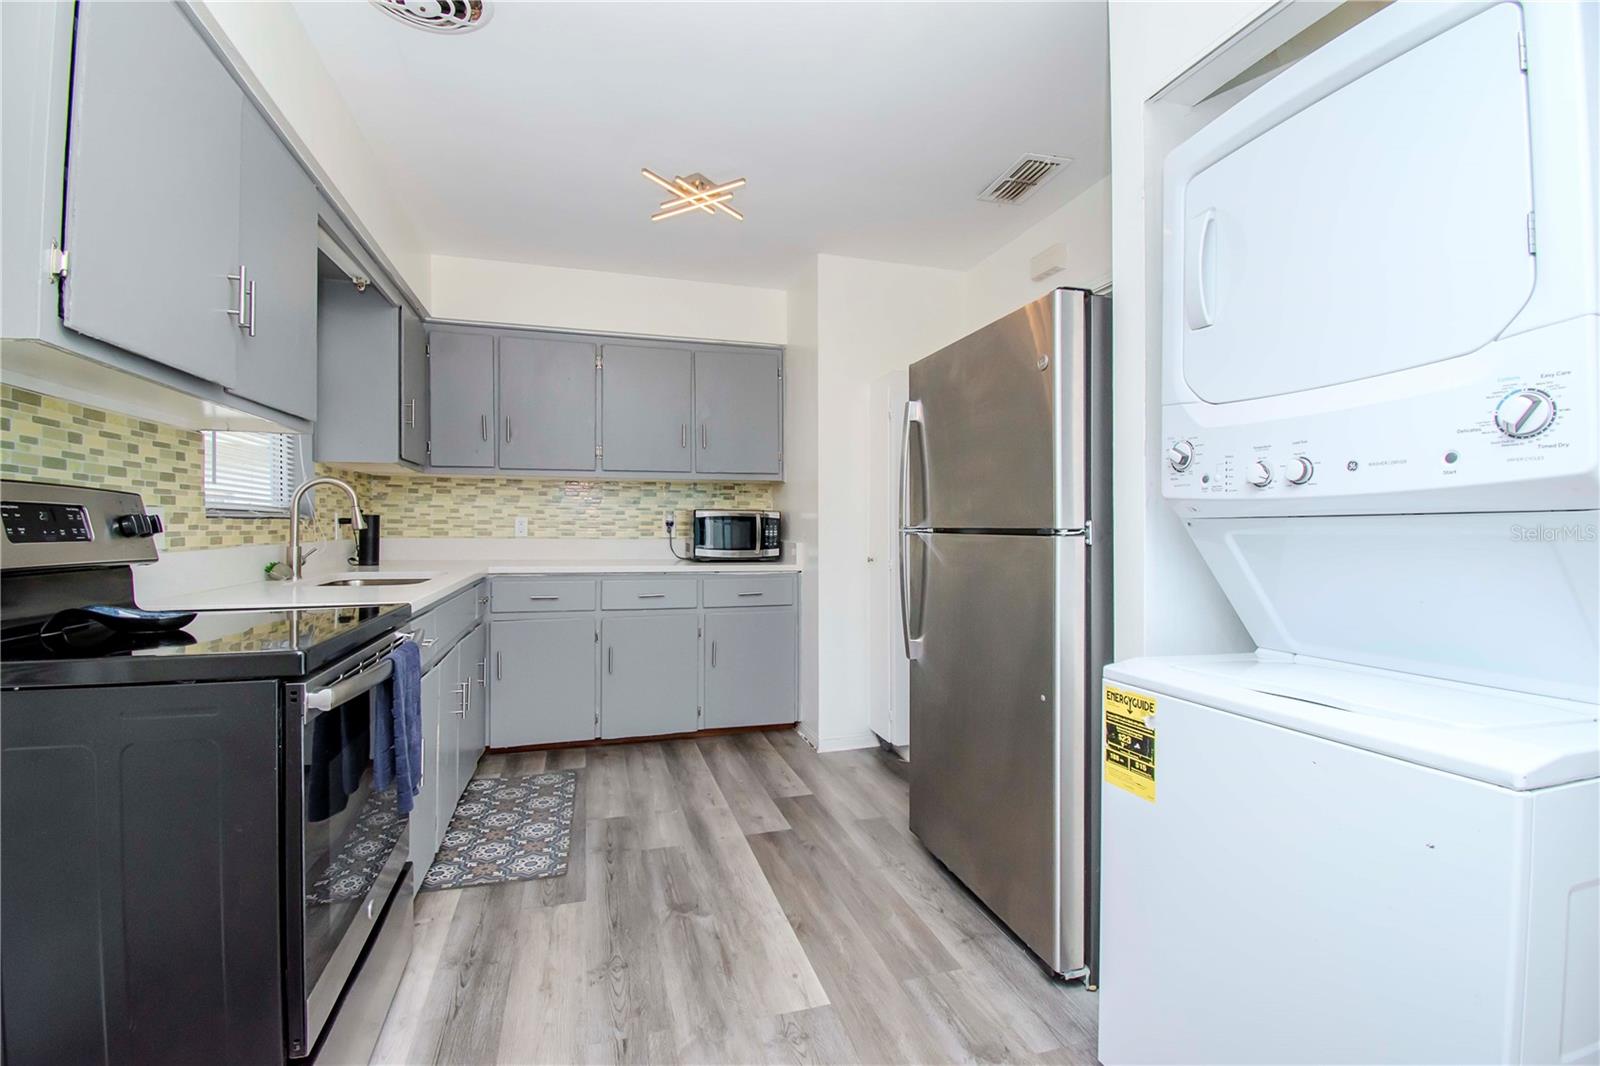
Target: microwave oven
[{"x": 748, "y": 535}]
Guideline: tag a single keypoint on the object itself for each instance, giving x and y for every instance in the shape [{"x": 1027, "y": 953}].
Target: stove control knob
[
  {"x": 1180, "y": 456},
  {"x": 1260, "y": 474},
  {"x": 1300, "y": 470},
  {"x": 1525, "y": 413},
  {"x": 137, "y": 525}
]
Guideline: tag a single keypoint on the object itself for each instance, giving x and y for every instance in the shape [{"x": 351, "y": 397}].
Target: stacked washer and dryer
[{"x": 1375, "y": 838}]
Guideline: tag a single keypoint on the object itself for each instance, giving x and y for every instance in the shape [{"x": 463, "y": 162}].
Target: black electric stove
[
  {"x": 215, "y": 646},
  {"x": 178, "y": 791}
]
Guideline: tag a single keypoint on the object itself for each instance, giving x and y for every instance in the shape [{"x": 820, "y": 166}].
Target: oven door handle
[{"x": 326, "y": 699}]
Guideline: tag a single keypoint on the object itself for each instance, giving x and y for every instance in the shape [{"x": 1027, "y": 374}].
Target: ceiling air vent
[
  {"x": 1018, "y": 183},
  {"x": 437, "y": 16}
]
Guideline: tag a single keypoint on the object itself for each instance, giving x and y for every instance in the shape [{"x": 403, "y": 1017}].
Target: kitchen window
[{"x": 252, "y": 475}]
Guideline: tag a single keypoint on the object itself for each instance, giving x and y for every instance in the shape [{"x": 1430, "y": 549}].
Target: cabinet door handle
[
  {"x": 543, "y": 598},
  {"x": 483, "y": 672},
  {"x": 652, "y": 595},
  {"x": 743, "y": 594},
  {"x": 703, "y": 437},
  {"x": 497, "y": 675},
  {"x": 250, "y": 298},
  {"x": 426, "y": 642},
  {"x": 238, "y": 312},
  {"x": 713, "y": 655},
  {"x": 464, "y": 689},
  {"x": 508, "y": 429},
  {"x": 483, "y": 426},
  {"x": 411, "y": 414},
  {"x": 608, "y": 661},
  {"x": 683, "y": 435}
]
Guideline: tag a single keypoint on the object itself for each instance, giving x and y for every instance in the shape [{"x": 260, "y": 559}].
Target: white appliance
[{"x": 1374, "y": 840}]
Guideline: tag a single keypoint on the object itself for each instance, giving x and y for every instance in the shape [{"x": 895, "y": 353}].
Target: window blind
[{"x": 250, "y": 474}]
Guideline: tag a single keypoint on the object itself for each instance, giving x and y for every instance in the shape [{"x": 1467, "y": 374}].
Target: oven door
[
  {"x": 727, "y": 534},
  {"x": 345, "y": 842}
]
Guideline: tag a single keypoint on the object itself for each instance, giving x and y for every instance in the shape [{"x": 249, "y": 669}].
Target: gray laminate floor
[{"x": 736, "y": 899}]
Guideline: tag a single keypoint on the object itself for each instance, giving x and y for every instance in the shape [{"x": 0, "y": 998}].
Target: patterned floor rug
[{"x": 507, "y": 829}]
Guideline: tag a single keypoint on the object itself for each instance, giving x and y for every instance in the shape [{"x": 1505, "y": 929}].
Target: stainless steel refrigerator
[{"x": 1005, "y": 572}]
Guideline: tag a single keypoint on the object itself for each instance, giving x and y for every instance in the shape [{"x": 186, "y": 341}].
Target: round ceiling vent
[{"x": 437, "y": 16}]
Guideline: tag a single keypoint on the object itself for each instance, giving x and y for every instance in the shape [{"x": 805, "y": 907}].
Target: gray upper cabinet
[
  {"x": 413, "y": 413},
  {"x": 647, "y": 404},
  {"x": 358, "y": 347},
  {"x": 153, "y": 191},
  {"x": 277, "y": 349},
  {"x": 543, "y": 678},
  {"x": 650, "y": 677},
  {"x": 751, "y": 673},
  {"x": 547, "y": 404},
  {"x": 738, "y": 405},
  {"x": 461, "y": 399}
]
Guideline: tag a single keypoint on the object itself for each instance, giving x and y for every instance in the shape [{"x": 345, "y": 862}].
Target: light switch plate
[{"x": 520, "y": 526}]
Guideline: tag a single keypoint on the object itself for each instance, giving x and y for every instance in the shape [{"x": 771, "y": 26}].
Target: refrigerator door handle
[
  {"x": 913, "y": 645},
  {"x": 913, "y": 414}
]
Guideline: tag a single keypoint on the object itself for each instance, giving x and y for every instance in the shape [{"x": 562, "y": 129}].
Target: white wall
[
  {"x": 796, "y": 497},
  {"x": 1002, "y": 282},
  {"x": 1166, "y": 601},
  {"x": 269, "y": 43},
  {"x": 485, "y": 290}
]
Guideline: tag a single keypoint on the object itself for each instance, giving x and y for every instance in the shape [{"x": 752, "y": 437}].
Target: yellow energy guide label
[{"x": 1130, "y": 742}]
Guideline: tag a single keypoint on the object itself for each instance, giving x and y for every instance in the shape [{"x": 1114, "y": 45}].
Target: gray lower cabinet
[
  {"x": 738, "y": 401},
  {"x": 425, "y": 828},
  {"x": 647, "y": 404},
  {"x": 277, "y": 349},
  {"x": 752, "y": 677},
  {"x": 474, "y": 724},
  {"x": 543, "y": 674},
  {"x": 153, "y": 208},
  {"x": 413, "y": 398},
  {"x": 461, "y": 399},
  {"x": 650, "y": 676},
  {"x": 547, "y": 404}
]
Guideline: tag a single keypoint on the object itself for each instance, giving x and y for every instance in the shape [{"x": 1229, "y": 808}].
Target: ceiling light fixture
[
  {"x": 437, "y": 16},
  {"x": 696, "y": 192}
]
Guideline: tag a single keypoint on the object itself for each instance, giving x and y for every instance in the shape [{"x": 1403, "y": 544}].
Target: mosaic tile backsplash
[{"x": 43, "y": 438}]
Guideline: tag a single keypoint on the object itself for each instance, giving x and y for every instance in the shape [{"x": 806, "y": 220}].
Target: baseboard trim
[
  {"x": 692, "y": 735},
  {"x": 847, "y": 742}
]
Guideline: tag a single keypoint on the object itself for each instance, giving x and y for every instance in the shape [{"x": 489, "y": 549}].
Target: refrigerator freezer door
[
  {"x": 1001, "y": 439},
  {"x": 997, "y": 696}
]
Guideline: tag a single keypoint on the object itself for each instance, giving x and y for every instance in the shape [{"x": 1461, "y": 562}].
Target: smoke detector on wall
[
  {"x": 437, "y": 16},
  {"x": 1021, "y": 181}
]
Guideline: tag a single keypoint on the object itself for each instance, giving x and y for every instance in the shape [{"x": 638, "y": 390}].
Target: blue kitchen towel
[{"x": 397, "y": 727}]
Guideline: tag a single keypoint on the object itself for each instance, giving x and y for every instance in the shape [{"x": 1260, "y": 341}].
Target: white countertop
[{"x": 441, "y": 579}]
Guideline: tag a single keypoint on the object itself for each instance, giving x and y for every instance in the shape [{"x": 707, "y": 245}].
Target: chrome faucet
[{"x": 296, "y": 560}]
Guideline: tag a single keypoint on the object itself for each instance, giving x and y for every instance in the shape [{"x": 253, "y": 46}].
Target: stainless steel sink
[{"x": 362, "y": 582}]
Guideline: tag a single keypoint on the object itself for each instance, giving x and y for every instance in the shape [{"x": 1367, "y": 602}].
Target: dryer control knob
[
  {"x": 1525, "y": 413},
  {"x": 1300, "y": 470},
  {"x": 1180, "y": 456},
  {"x": 1260, "y": 474}
]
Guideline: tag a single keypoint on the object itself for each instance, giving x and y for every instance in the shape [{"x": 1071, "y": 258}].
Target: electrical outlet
[{"x": 520, "y": 525}]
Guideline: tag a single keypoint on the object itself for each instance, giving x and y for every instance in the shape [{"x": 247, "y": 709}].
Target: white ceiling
[{"x": 864, "y": 129}]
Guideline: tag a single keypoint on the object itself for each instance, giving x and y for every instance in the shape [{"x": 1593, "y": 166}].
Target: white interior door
[{"x": 890, "y": 698}]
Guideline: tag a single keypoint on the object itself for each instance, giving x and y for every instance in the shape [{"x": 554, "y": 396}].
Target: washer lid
[{"x": 1504, "y": 738}]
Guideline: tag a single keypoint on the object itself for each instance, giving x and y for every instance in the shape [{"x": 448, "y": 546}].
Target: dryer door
[{"x": 1385, "y": 226}]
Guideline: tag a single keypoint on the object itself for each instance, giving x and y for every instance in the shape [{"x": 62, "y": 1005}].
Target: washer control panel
[{"x": 1486, "y": 442}]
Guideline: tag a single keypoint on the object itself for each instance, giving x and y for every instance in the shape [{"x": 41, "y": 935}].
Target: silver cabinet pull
[
  {"x": 683, "y": 435},
  {"x": 483, "y": 672},
  {"x": 713, "y": 655},
  {"x": 497, "y": 674},
  {"x": 250, "y": 296},
  {"x": 426, "y": 642},
  {"x": 411, "y": 414},
  {"x": 652, "y": 595},
  {"x": 239, "y": 312},
  {"x": 464, "y": 689},
  {"x": 542, "y": 598},
  {"x": 703, "y": 438},
  {"x": 483, "y": 426},
  {"x": 372, "y": 908},
  {"x": 608, "y": 661},
  {"x": 752, "y": 594},
  {"x": 508, "y": 429}
]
